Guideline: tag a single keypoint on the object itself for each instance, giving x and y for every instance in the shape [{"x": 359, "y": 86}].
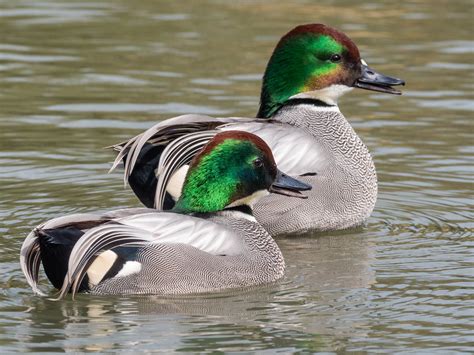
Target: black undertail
[
  {"x": 143, "y": 180},
  {"x": 55, "y": 248}
]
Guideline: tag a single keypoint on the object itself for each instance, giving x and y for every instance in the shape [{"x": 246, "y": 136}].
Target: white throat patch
[
  {"x": 249, "y": 200},
  {"x": 328, "y": 95}
]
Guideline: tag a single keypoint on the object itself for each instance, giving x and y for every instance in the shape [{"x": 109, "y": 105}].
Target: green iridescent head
[
  {"x": 235, "y": 168},
  {"x": 231, "y": 167},
  {"x": 307, "y": 59},
  {"x": 317, "y": 62}
]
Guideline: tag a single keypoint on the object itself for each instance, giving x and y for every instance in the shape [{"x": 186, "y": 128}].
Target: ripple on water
[
  {"x": 73, "y": 81},
  {"x": 97, "y": 78},
  {"x": 31, "y": 58},
  {"x": 171, "y": 17},
  {"x": 43, "y": 13},
  {"x": 456, "y": 47},
  {"x": 454, "y": 104},
  {"x": 451, "y": 66},
  {"x": 168, "y": 108}
]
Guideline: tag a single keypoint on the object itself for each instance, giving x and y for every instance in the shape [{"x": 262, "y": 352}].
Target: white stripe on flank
[{"x": 250, "y": 200}]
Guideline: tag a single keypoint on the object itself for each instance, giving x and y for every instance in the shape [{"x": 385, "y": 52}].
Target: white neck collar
[{"x": 329, "y": 95}]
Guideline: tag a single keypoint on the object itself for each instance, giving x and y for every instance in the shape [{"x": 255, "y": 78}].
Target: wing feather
[
  {"x": 178, "y": 153},
  {"x": 165, "y": 132},
  {"x": 160, "y": 133},
  {"x": 296, "y": 151},
  {"x": 30, "y": 261},
  {"x": 30, "y": 256},
  {"x": 204, "y": 234},
  {"x": 125, "y": 227},
  {"x": 93, "y": 242}
]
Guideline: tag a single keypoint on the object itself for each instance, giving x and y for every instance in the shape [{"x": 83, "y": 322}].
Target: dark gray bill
[
  {"x": 371, "y": 80},
  {"x": 288, "y": 186}
]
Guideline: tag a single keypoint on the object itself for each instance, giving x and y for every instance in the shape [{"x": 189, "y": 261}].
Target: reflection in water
[
  {"x": 330, "y": 279},
  {"x": 78, "y": 76}
]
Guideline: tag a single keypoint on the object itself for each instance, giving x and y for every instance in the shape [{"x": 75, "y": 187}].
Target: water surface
[{"x": 78, "y": 76}]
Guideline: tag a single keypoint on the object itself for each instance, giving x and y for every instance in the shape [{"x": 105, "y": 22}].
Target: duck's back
[
  {"x": 178, "y": 268},
  {"x": 151, "y": 252}
]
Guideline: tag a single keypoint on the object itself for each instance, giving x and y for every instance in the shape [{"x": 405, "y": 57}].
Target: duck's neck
[
  {"x": 298, "y": 102},
  {"x": 311, "y": 115},
  {"x": 325, "y": 97},
  {"x": 269, "y": 109}
]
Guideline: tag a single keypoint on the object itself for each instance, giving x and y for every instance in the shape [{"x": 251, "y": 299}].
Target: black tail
[
  {"x": 143, "y": 180},
  {"x": 55, "y": 248}
]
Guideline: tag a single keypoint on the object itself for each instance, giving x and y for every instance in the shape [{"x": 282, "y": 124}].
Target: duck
[
  {"x": 311, "y": 67},
  {"x": 209, "y": 241}
]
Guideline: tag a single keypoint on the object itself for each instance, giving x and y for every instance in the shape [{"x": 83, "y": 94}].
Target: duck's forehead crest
[
  {"x": 320, "y": 29},
  {"x": 237, "y": 136}
]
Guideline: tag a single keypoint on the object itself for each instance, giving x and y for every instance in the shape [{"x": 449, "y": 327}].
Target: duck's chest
[{"x": 322, "y": 139}]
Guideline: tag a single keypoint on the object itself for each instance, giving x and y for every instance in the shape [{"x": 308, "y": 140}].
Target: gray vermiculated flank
[{"x": 181, "y": 269}]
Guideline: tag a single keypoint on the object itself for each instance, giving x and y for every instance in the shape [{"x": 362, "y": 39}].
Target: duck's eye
[
  {"x": 258, "y": 163},
  {"x": 335, "y": 58}
]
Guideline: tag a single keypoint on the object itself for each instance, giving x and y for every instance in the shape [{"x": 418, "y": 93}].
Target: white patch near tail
[
  {"x": 100, "y": 266},
  {"x": 129, "y": 268},
  {"x": 175, "y": 184}
]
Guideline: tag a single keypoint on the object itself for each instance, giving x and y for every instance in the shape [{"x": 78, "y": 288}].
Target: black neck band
[
  {"x": 306, "y": 101},
  {"x": 302, "y": 101}
]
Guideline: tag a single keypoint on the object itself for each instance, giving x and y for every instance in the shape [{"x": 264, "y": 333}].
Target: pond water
[{"x": 77, "y": 76}]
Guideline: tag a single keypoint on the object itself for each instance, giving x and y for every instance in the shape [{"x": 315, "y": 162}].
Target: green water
[{"x": 78, "y": 76}]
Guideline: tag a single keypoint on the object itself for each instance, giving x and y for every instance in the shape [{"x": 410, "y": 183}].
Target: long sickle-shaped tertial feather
[
  {"x": 30, "y": 259},
  {"x": 101, "y": 238},
  {"x": 178, "y": 153},
  {"x": 30, "y": 250},
  {"x": 164, "y": 132},
  {"x": 160, "y": 134}
]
